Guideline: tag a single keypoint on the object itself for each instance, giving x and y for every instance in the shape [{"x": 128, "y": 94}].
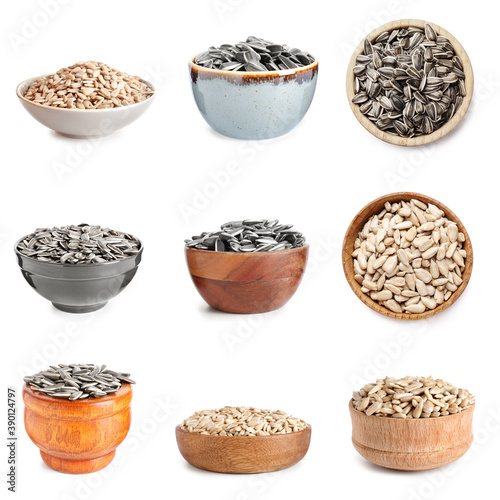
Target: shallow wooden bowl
[
  {"x": 77, "y": 437},
  {"x": 411, "y": 444},
  {"x": 423, "y": 139},
  {"x": 247, "y": 283},
  {"x": 356, "y": 226},
  {"x": 243, "y": 454}
]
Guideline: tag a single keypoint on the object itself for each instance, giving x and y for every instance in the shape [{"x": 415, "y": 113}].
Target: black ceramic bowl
[{"x": 78, "y": 288}]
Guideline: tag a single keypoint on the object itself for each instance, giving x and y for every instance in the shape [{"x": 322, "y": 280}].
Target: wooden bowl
[
  {"x": 243, "y": 454},
  {"x": 411, "y": 444},
  {"x": 247, "y": 283},
  {"x": 356, "y": 226},
  {"x": 423, "y": 139},
  {"x": 77, "y": 437}
]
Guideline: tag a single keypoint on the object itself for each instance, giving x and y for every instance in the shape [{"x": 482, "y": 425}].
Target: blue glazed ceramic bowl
[
  {"x": 78, "y": 288},
  {"x": 253, "y": 105}
]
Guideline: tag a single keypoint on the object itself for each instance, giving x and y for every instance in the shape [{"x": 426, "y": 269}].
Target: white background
[{"x": 305, "y": 358}]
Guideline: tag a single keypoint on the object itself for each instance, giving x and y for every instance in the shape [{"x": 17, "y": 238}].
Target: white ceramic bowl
[{"x": 82, "y": 123}]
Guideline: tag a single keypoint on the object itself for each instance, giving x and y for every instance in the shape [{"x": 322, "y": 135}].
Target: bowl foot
[
  {"x": 79, "y": 309},
  {"x": 77, "y": 466},
  {"x": 83, "y": 137}
]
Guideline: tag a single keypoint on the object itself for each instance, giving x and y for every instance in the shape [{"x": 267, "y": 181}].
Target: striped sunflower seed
[
  {"x": 77, "y": 381},
  {"x": 250, "y": 235},
  {"x": 410, "y": 71},
  {"x": 80, "y": 245},
  {"x": 256, "y": 54}
]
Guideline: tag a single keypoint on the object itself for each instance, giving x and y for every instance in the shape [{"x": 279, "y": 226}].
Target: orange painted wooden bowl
[
  {"x": 77, "y": 437},
  {"x": 247, "y": 283},
  {"x": 356, "y": 226},
  {"x": 243, "y": 454},
  {"x": 412, "y": 444}
]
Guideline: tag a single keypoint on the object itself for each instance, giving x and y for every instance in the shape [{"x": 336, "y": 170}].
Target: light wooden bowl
[
  {"x": 447, "y": 127},
  {"x": 356, "y": 226},
  {"x": 411, "y": 444},
  {"x": 247, "y": 283},
  {"x": 77, "y": 437},
  {"x": 243, "y": 454}
]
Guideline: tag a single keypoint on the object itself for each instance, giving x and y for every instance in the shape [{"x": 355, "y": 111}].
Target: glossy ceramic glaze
[
  {"x": 78, "y": 288},
  {"x": 247, "y": 283},
  {"x": 243, "y": 454},
  {"x": 253, "y": 105},
  {"x": 80, "y": 123},
  {"x": 77, "y": 437},
  {"x": 412, "y": 444}
]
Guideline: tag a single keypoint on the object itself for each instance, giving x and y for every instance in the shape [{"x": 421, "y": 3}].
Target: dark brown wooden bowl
[
  {"x": 247, "y": 283},
  {"x": 243, "y": 454},
  {"x": 355, "y": 228},
  {"x": 77, "y": 437}
]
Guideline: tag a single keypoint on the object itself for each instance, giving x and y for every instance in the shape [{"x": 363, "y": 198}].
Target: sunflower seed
[
  {"x": 417, "y": 73},
  {"x": 410, "y": 257},
  {"x": 411, "y": 397},
  {"x": 250, "y": 235},
  {"x": 87, "y": 245},
  {"x": 256, "y": 54},
  {"x": 78, "y": 381}
]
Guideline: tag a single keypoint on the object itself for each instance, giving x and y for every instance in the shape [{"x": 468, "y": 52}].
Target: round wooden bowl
[
  {"x": 356, "y": 226},
  {"x": 243, "y": 454},
  {"x": 77, "y": 437},
  {"x": 447, "y": 127},
  {"x": 411, "y": 444},
  {"x": 247, "y": 283}
]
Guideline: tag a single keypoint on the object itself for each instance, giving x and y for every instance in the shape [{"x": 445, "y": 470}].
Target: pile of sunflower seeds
[
  {"x": 409, "y": 82},
  {"x": 88, "y": 85},
  {"x": 411, "y": 397},
  {"x": 82, "y": 244},
  {"x": 409, "y": 257},
  {"x": 77, "y": 381},
  {"x": 256, "y": 54},
  {"x": 242, "y": 421},
  {"x": 251, "y": 235}
]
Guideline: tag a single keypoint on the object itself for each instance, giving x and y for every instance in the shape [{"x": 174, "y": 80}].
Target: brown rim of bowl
[
  {"x": 357, "y": 224},
  {"x": 423, "y": 139},
  {"x": 308, "y": 428},
  {"x": 36, "y": 78},
  {"x": 60, "y": 264},
  {"x": 255, "y": 254},
  {"x": 253, "y": 74},
  {"x": 351, "y": 405}
]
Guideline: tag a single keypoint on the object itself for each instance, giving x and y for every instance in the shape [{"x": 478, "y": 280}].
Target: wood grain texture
[
  {"x": 356, "y": 226},
  {"x": 413, "y": 444},
  {"x": 446, "y": 128},
  {"x": 77, "y": 437},
  {"x": 243, "y": 454},
  {"x": 247, "y": 283}
]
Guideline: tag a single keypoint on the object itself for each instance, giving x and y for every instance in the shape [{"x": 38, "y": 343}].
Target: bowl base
[
  {"x": 79, "y": 309},
  {"x": 83, "y": 137},
  {"x": 77, "y": 466}
]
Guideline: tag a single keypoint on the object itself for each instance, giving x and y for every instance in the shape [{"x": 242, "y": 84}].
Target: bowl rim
[
  {"x": 122, "y": 391},
  {"x": 444, "y": 129},
  {"x": 75, "y": 266},
  {"x": 351, "y": 406},
  {"x": 252, "y": 74},
  {"x": 254, "y": 255},
  {"x": 375, "y": 306},
  {"x": 178, "y": 428},
  {"x": 110, "y": 110}
]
